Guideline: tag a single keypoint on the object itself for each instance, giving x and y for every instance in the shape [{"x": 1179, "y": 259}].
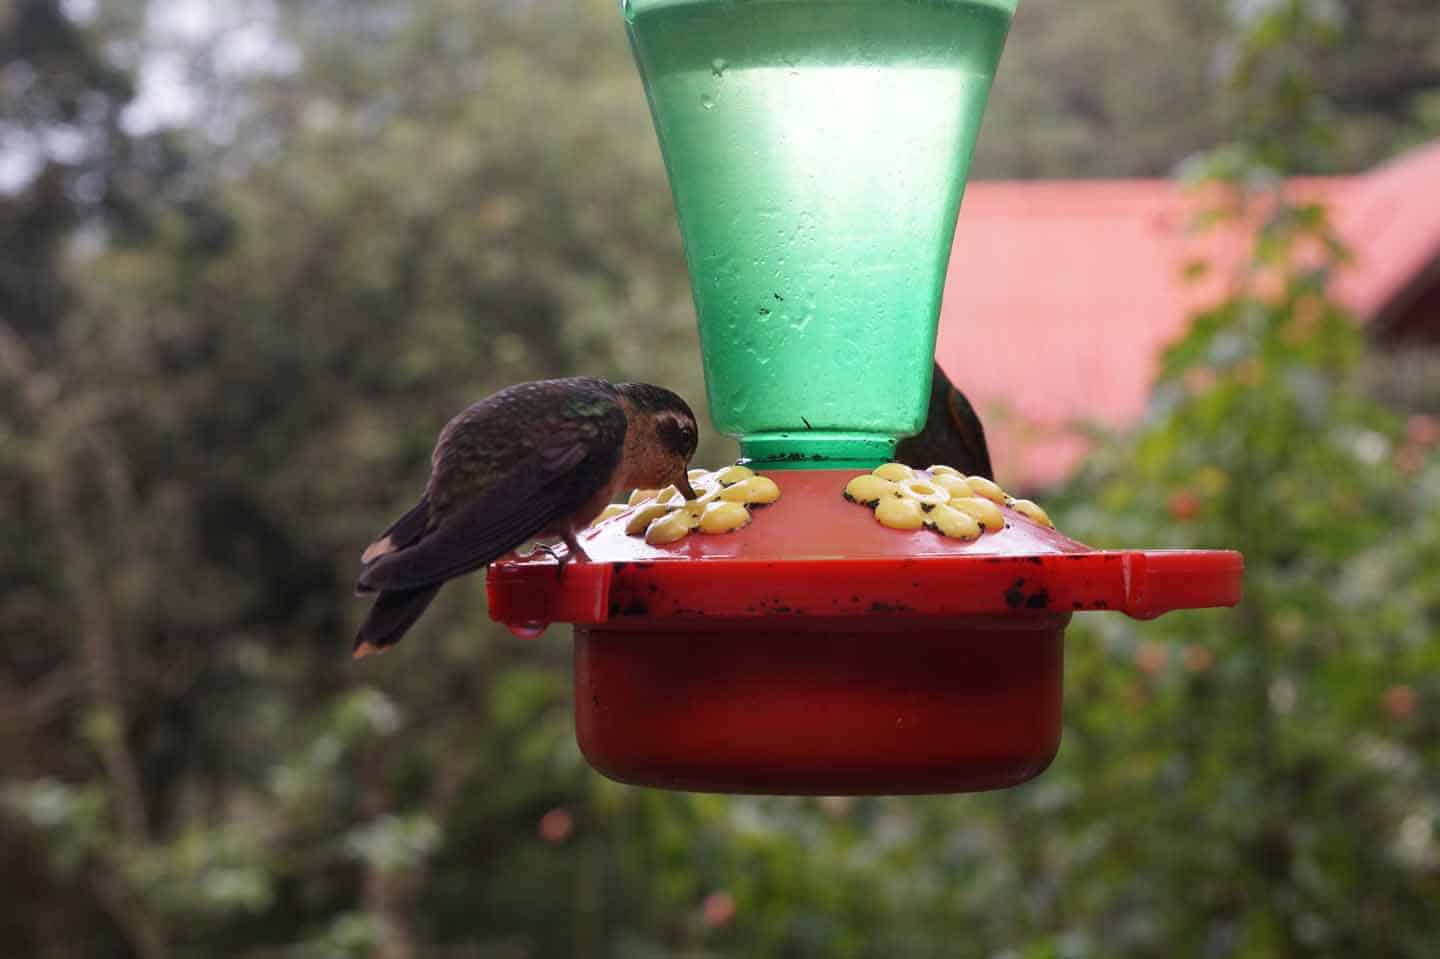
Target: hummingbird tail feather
[
  {"x": 404, "y": 531},
  {"x": 394, "y": 612}
]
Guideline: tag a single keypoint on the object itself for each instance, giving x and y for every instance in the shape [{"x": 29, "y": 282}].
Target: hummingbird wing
[{"x": 547, "y": 486}]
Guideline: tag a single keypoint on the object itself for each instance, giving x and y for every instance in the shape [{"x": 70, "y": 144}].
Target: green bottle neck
[{"x": 816, "y": 449}]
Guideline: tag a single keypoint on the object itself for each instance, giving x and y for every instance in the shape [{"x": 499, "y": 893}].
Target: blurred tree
[
  {"x": 69, "y": 162},
  {"x": 1114, "y": 88},
  {"x": 1129, "y": 88},
  {"x": 199, "y": 762},
  {"x": 203, "y": 418},
  {"x": 59, "y": 107}
]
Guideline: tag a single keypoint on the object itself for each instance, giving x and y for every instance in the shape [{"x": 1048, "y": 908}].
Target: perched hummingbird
[
  {"x": 952, "y": 434},
  {"x": 536, "y": 459}
]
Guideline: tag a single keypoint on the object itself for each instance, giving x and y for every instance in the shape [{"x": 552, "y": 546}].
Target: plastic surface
[
  {"x": 815, "y": 554},
  {"x": 816, "y": 651},
  {"x": 804, "y": 706},
  {"x": 817, "y": 150}
]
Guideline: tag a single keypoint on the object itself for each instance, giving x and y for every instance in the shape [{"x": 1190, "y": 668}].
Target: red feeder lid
[{"x": 815, "y": 554}]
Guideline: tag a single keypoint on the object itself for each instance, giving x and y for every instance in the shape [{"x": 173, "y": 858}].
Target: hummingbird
[
  {"x": 534, "y": 460},
  {"x": 952, "y": 434}
]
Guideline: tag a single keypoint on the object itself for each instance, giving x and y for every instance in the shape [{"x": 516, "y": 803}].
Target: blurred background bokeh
[{"x": 254, "y": 253}]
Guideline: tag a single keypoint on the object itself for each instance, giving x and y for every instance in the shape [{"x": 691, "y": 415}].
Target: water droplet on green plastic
[
  {"x": 707, "y": 101},
  {"x": 717, "y": 67}
]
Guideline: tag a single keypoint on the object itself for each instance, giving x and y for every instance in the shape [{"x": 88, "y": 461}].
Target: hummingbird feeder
[{"x": 817, "y": 151}]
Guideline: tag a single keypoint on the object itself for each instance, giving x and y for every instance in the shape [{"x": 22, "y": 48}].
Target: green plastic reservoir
[{"x": 817, "y": 150}]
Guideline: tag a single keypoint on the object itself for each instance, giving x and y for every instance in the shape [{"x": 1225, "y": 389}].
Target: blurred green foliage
[{"x": 225, "y": 352}]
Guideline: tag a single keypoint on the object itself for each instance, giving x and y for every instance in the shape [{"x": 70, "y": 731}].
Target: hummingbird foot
[
  {"x": 572, "y": 551},
  {"x": 561, "y": 558}
]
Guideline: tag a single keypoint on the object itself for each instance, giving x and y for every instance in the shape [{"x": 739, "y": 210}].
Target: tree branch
[{"x": 84, "y": 582}]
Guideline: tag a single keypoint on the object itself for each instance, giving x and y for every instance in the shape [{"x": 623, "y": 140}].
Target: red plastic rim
[{"x": 813, "y": 554}]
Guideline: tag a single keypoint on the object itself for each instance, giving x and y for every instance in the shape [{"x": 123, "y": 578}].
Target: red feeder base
[
  {"x": 822, "y": 709},
  {"x": 818, "y": 652}
]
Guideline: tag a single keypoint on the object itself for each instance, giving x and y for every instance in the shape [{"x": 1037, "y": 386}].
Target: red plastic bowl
[
  {"x": 823, "y": 707},
  {"x": 818, "y": 652}
]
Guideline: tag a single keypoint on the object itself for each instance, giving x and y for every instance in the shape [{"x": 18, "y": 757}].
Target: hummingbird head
[{"x": 660, "y": 437}]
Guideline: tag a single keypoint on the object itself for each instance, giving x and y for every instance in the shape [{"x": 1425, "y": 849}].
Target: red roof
[{"x": 1062, "y": 294}]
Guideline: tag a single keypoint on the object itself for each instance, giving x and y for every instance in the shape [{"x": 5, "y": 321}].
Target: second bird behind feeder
[{"x": 952, "y": 434}]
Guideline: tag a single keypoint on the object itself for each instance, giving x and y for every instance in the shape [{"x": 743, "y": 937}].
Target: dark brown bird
[
  {"x": 952, "y": 435},
  {"x": 533, "y": 460}
]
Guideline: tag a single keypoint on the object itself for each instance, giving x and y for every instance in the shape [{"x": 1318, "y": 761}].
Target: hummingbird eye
[{"x": 677, "y": 435}]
